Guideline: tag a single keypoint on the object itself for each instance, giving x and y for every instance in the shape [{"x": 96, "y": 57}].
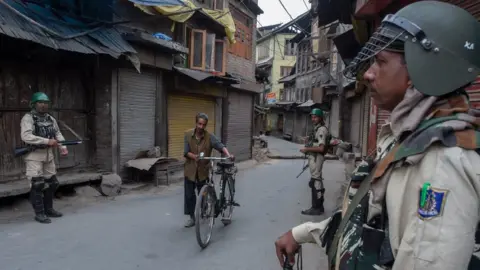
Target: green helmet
[
  {"x": 441, "y": 43},
  {"x": 39, "y": 96},
  {"x": 317, "y": 112}
]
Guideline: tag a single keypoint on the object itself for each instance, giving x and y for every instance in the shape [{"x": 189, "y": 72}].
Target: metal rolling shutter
[
  {"x": 239, "y": 127},
  {"x": 334, "y": 117},
  {"x": 288, "y": 126},
  {"x": 474, "y": 94},
  {"x": 181, "y": 117},
  {"x": 382, "y": 119},
  {"x": 356, "y": 118},
  {"x": 136, "y": 112}
]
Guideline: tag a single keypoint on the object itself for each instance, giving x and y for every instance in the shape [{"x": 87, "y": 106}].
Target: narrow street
[{"x": 146, "y": 231}]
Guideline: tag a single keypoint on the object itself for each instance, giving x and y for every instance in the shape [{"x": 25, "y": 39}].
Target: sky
[{"x": 274, "y": 12}]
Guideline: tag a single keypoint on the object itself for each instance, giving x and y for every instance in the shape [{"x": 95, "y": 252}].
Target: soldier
[
  {"x": 418, "y": 206},
  {"x": 40, "y": 131},
  {"x": 198, "y": 140},
  {"x": 316, "y": 148}
]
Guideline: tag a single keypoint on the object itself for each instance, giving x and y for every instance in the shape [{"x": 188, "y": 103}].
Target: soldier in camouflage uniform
[
  {"x": 316, "y": 148},
  {"x": 416, "y": 206},
  {"x": 40, "y": 131}
]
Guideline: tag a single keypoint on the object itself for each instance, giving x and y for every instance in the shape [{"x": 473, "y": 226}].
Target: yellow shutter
[{"x": 181, "y": 117}]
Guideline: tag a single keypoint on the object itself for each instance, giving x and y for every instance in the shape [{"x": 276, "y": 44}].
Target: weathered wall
[
  {"x": 239, "y": 65},
  {"x": 26, "y": 68},
  {"x": 103, "y": 117}
]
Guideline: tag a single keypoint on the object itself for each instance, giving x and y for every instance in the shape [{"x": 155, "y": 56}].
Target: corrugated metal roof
[
  {"x": 159, "y": 2},
  {"x": 60, "y": 31}
]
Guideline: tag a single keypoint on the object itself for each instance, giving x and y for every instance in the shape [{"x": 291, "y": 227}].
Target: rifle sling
[{"x": 361, "y": 192}]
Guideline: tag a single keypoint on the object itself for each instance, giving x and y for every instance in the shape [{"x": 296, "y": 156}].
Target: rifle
[
  {"x": 303, "y": 170},
  {"x": 21, "y": 151}
]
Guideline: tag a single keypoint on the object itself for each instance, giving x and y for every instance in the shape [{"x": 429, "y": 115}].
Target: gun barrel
[{"x": 21, "y": 151}]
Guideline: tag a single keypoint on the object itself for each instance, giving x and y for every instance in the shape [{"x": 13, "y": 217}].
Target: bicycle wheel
[
  {"x": 205, "y": 215},
  {"x": 228, "y": 193}
]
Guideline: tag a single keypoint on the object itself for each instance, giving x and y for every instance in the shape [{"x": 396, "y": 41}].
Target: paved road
[
  {"x": 145, "y": 231},
  {"x": 278, "y": 146}
]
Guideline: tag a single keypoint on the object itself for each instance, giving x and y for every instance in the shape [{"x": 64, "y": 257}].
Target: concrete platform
[{"x": 23, "y": 187}]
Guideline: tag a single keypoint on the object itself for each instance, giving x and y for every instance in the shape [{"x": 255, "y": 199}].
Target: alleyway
[{"x": 146, "y": 231}]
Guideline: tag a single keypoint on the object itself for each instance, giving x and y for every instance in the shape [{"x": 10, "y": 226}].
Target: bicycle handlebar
[
  {"x": 213, "y": 158},
  {"x": 202, "y": 156}
]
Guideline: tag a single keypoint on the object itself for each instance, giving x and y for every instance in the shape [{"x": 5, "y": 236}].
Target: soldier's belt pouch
[{"x": 332, "y": 228}]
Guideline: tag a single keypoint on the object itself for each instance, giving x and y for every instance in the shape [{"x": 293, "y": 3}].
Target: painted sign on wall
[{"x": 271, "y": 98}]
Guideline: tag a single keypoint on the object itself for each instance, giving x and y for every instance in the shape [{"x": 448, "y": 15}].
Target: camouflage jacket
[{"x": 368, "y": 241}]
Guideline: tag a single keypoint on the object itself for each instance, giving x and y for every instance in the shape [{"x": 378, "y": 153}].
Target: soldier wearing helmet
[
  {"x": 40, "y": 131},
  {"x": 416, "y": 206},
  {"x": 316, "y": 148}
]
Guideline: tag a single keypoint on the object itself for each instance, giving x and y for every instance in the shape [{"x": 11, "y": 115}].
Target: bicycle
[{"x": 208, "y": 205}]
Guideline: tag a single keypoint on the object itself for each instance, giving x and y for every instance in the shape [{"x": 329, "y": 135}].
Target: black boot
[
  {"x": 48, "y": 197},
  {"x": 317, "y": 208},
  {"x": 36, "y": 199}
]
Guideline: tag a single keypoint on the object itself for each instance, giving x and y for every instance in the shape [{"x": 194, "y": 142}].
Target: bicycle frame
[{"x": 211, "y": 182}]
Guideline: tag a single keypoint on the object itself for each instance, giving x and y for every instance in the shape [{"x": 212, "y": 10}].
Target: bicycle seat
[{"x": 225, "y": 165}]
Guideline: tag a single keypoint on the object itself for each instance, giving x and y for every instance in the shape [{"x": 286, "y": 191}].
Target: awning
[
  {"x": 35, "y": 23},
  {"x": 149, "y": 40},
  {"x": 347, "y": 46},
  {"x": 253, "y": 6},
  {"x": 308, "y": 103},
  {"x": 265, "y": 62},
  {"x": 159, "y": 2},
  {"x": 288, "y": 78},
  {"x": 249, "y": 86},
  {"x": 203, "y": 76}
]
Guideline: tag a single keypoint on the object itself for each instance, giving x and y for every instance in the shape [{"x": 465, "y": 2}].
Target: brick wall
[
  {"x": 238, "y": 65},
  {"x": 103, "y": 123}
]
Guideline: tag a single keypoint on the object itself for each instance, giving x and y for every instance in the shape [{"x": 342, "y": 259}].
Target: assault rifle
[
  {"x": 21, "y": 151},
  {"x": 308, "y": 144},
  {"x": 303, "y": 170}
]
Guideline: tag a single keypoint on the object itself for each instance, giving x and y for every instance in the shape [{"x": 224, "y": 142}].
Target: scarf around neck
[{"x": 426, "y": 121}]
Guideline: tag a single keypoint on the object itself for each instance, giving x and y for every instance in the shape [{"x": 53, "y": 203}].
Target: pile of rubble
[{"x": 260, "y": 149}]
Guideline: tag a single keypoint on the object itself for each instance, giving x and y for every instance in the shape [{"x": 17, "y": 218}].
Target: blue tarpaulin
[{"x": 159, "y": 2}]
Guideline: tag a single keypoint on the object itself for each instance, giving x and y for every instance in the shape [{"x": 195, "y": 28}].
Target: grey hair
[{"x": 203, "y": 116}]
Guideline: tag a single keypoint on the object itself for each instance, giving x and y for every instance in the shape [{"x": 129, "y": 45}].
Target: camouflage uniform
[
  {"x": 318, "y": 137},
  {"x": 36, "y": 129},
  {"x": 418, "y": 208}
]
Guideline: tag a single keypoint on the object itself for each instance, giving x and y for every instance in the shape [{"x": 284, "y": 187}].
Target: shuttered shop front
[
  {"x": 334, "y": 117},
  {"x": 288, "y": 125},
  {"x": 181, "y": 117},
  {"x": 238, "y": 135},
  {"x": 136, "y": 112},
  {"x": 356, "y": 123},
  {"x": 382, "y": 119}
]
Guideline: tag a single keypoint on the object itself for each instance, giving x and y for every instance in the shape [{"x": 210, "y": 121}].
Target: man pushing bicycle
[{"x": 198, "y": 140}]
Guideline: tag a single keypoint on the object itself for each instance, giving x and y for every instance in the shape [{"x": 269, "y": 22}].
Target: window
[
  {"x": 285, "y": 71},
  {"x": 243, "y": 36},
  {"x": 218, "y": 4},
  {"x": 207, "y": 53},
  {"x": 263, "y": 50},
  {"x": 290, "y": 47}
]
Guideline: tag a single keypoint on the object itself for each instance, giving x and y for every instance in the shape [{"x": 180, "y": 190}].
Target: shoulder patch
[{"x": 431, "y": 202}]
